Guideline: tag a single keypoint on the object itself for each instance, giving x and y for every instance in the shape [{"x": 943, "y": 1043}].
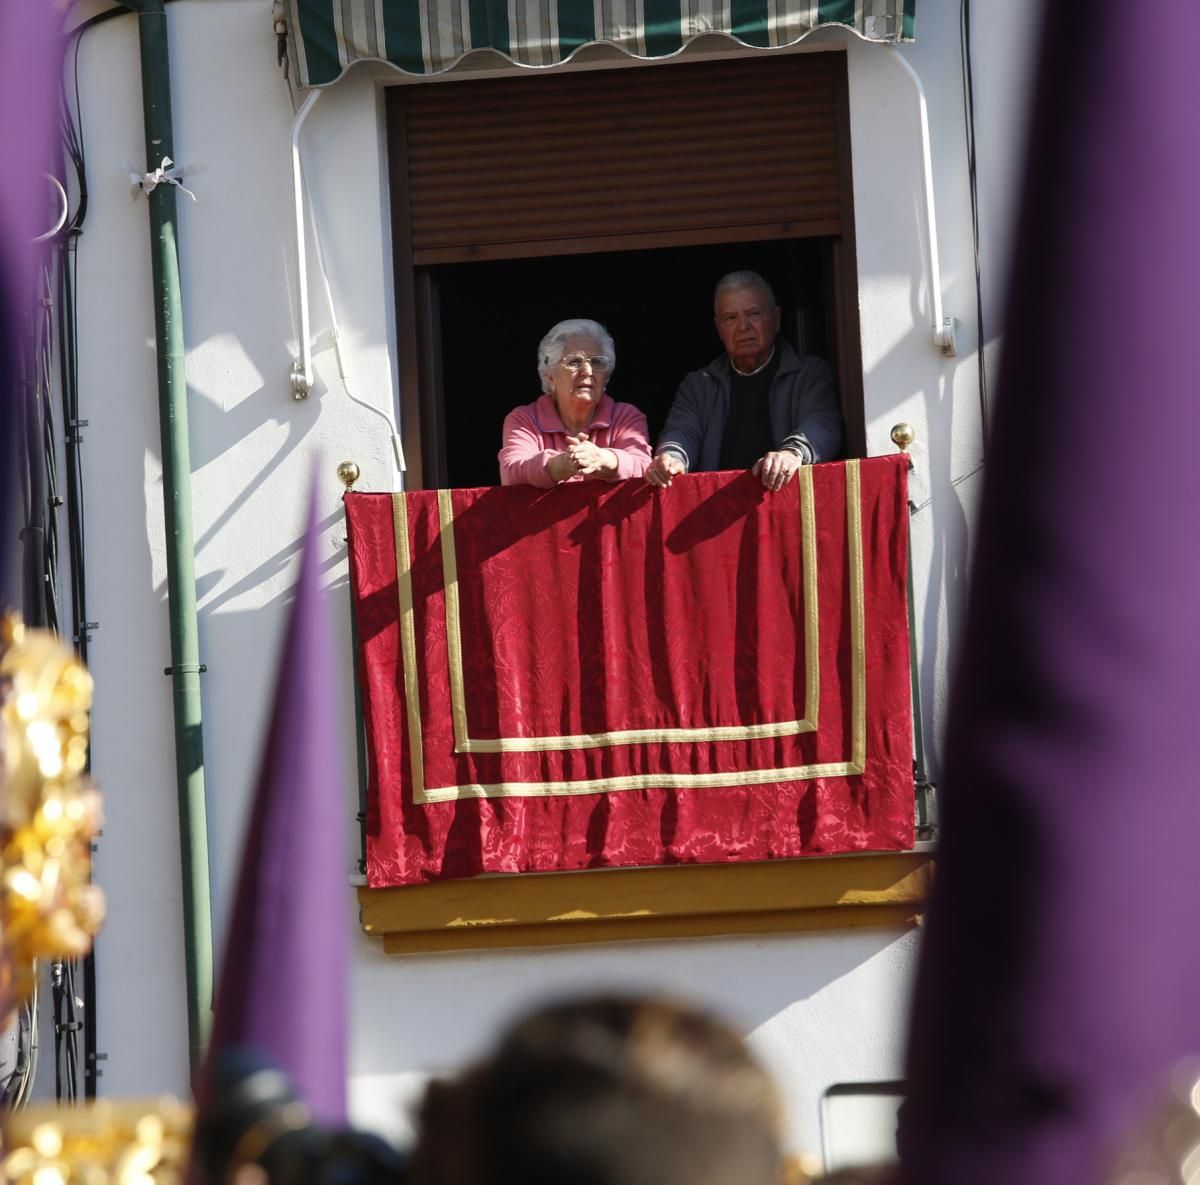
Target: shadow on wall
[
  {"x": 941, "y": 573},
  {"x": 242, "y": 649},
  {"x": 405, "y": 1016},
  {"x": 945, "y": 577},
  {"x": 265, "y": 414},
  {"x": 269, "y": 571}
]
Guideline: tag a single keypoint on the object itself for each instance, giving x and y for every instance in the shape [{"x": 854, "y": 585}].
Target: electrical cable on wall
[
  {"x": 39, "y": 597},
  {"x": 968, "y": 82},
  {"x": 71, "y": 1015}
]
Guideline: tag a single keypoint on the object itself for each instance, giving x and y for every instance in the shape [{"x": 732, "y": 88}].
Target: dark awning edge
[{"x": 432, "y": 36}]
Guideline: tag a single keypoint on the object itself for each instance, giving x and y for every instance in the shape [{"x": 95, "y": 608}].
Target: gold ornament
[
  {"x": 102, "y": 1143},
  {"x": 49, "y": 811},
  {"x": 348, "y": 474},
  {"x": 902, "y": 436}
]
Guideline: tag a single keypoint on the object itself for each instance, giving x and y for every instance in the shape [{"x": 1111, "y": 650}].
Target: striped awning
[{"x": 429, "y": 36}]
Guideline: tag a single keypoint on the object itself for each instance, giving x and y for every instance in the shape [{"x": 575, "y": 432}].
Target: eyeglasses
[{"x": 574, "y": 362}]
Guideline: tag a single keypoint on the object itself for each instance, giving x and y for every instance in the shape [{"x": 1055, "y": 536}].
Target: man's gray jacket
[{"x": 805, "y": 415}]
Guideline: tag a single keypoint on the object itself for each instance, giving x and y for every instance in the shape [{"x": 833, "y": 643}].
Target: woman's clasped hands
[{"x": 582, "y": 456}]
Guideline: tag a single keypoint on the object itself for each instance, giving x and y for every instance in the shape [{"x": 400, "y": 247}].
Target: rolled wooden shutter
[{"x": 716, "y": 151}]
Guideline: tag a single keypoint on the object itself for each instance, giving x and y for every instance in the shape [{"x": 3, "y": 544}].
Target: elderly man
[{"x": 760, "y": 406}]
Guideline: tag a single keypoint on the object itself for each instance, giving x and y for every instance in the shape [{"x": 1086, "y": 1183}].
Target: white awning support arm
[
  {"x": 302, "y": 373},
  {"x": 943, "y": 326}
]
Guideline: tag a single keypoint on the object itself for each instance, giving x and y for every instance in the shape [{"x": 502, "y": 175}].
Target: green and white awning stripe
[{"x": 428, "y": 36}]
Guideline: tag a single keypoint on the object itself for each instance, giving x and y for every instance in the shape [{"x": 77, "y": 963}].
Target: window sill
[{"x": 882, "y": 890}]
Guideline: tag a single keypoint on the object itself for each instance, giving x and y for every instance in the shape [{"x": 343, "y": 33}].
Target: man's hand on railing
[
  {"x": 663, "y": 468},
  {"x": 776, "y": 469}
]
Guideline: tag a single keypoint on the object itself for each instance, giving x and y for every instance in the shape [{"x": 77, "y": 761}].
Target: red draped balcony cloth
[{"x": 606, "y": 675}]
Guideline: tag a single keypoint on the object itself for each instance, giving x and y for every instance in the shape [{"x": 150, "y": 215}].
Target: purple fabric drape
[
  {"x": 30, "y": 53},
  {"x": 282, "y": 990},
  {"x": 1057, "y": 982}
]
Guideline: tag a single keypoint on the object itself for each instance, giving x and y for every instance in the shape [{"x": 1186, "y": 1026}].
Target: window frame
[{"x": 418, "y": 332}]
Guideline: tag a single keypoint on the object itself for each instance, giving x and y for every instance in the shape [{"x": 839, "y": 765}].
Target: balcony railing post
[
  {"x": 902, "y": 437},
  {"x": 348, "y": 474}
]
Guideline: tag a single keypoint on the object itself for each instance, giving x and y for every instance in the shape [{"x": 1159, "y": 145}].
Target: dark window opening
[{"x": 656, "y": 304}]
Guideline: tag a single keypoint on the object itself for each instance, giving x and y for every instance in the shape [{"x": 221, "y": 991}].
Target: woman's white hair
[{"x": 550, "y": 348}]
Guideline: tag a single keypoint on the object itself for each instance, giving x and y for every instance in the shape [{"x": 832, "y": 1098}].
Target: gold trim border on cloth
[
  {"x": 662, "y": 781},
  {"x": 876, "y": 890},
  {"x": 464, "y": 743}
]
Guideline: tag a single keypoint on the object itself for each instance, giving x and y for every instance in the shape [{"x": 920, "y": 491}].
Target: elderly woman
[{"x": 574, "y": 432}]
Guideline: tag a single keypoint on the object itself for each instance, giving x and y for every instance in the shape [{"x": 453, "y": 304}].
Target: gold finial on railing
[
  {"x": 902, "y": 436},
  {"x": 348, "y": 474}
]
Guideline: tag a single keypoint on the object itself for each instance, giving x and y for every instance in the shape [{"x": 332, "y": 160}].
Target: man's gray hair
[
  {"x": 550, "y": 348},
  {"x": 737, "y": 281}
]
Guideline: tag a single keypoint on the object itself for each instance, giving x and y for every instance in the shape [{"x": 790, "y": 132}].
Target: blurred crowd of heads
[{"x": 607, "y": 1090}]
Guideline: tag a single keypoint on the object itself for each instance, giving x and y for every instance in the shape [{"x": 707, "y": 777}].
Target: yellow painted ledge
[{"x": 624, "y": 904}]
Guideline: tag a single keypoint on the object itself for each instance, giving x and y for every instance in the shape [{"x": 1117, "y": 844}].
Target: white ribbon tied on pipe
[{"x": 163, "y": 175}]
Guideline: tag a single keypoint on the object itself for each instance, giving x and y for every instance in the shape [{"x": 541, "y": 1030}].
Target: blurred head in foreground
[
  {"x": 255, "y": 1130},
  {"x": 605, "y": 1091}
]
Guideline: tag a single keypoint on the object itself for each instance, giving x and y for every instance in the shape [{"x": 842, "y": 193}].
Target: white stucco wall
[
  {"x": 905, "y": 378},
  {"x": 821, "y": 1008}
]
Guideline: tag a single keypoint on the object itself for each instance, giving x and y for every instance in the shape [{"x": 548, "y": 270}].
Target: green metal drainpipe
[{"x": 177, "y": 502}]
